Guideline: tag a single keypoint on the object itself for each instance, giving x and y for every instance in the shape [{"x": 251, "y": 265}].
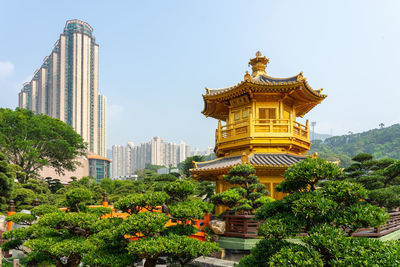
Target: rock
[
  {"x": 25, "y": 211},
  {"x": 218, "y": 227}
]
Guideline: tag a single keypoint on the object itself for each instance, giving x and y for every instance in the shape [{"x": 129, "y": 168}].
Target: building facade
[
  {"x": 66, "y": 86},
  {"x": 99, "y": 167}
]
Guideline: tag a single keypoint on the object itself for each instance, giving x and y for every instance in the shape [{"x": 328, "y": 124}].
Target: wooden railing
[
  {"x": 271, "y": 126},
  {"x": 243, "y": 226},
  {"x": 260, "y": 128},
  {"x": 300, "y": 130},
  {"x": 392, "y": 225}
]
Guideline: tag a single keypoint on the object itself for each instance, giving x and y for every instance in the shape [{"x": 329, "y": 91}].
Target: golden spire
[{"x": 258, "y": 64}]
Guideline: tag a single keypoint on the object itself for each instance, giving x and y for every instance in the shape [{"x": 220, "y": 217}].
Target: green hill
[{"x": 381, "y": 143}]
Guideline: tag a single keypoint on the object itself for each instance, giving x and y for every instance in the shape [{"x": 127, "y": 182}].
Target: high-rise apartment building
[{"x": 66, "y": 86}]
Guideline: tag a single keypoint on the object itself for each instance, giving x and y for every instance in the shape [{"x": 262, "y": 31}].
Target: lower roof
[{"x": 267, "y": 160}]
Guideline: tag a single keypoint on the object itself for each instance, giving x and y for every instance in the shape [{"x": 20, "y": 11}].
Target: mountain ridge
[{"x": 381, "y": 143}]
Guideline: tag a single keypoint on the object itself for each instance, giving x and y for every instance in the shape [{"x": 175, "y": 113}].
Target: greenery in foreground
[
  {"x": 81, "y": 236},
  {"x": 329, "y": 214},
  {"x": 51, "y": 191},
  {"x": 247, "y": 193}
]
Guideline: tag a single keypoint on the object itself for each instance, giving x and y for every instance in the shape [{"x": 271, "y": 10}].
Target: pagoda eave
[
  {"x": 216, "y": 105},
  {"x": 210, "y": 170}
]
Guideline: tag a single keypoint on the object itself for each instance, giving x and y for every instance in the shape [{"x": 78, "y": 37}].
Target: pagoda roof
[
  {"x": 216, "y": 100},
  {"x": 259, "y": 79},
  {"x": 257, "y": 160}
]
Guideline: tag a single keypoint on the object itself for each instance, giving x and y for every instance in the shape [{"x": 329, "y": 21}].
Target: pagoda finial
[{"x": 258, "y": 64}]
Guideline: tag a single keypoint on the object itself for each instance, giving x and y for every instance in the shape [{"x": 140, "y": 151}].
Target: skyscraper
[{"x": 66, "y": 86}]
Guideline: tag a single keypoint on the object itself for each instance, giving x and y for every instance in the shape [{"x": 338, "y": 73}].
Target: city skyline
[
  {"x": 126, "y": 160},
  {"x": 66, "y": 86},
  {"x": 153, "y": 70}
]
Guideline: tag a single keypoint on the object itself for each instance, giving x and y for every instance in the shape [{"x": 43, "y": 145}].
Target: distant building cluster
[
  {"x": 93, "y": 165},
  {"x": 130, "y": 158},
  {"x": 66, "y": 86}
]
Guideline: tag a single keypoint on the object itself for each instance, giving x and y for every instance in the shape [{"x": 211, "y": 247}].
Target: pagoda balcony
[{"x": 262, "y": 128}]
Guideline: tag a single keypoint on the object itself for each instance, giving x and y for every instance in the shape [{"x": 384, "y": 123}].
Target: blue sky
[{"x": 156, "y": 58}]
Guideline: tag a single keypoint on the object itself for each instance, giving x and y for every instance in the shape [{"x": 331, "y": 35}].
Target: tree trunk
[
  {"x": 73, "y": 261},
  {"x": 150, "y": 262}
]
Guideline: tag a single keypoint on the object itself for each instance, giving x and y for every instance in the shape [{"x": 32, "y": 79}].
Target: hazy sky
[{"x": 156, "y": 58}]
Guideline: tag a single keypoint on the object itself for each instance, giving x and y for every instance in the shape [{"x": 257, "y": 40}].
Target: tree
[
  {"x": 157, "y": 240},
  {"x": 54, "y": 184},
  {"x": 306, "y": 174},
  {"x": 325, "y": 245},
  {"x": 82, "y": 235},
  {"x": 77, "y": 198},
  {"x": 187, "y": 164},
  {"x": 381, "y": 177},
  {"x": 8, "y": 173},
  {"x": 380, "y": 143},
  {"x": 33, "y": 141},
  {"x": 57, "y": 237},
  {"x": 329, "y": 214},
  {"x": 248, "y": 193}
]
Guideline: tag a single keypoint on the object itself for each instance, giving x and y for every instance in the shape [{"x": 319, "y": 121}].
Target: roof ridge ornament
[
  {"x": 247, "y": 77},
  {"x": 258, "y": 64},
  {"x": 300, "y": 77}
]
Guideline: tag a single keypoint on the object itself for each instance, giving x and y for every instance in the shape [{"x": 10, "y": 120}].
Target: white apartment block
[
  {"x": 66, "y": 86},
  {"x": 128, "y": 159}
]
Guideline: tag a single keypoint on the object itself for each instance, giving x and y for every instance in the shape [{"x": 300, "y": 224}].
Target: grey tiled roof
[
  {"x": 268, "y": 79},
  {"x": 254, "y": 159},
  {"x": 274, "y": 159},
  {"x": 264, "y": 79},
  {"x": 218, "y": 163}
]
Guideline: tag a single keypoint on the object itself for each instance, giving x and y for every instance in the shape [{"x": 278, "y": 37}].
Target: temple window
[
  {"x": 245, "y": 113},
  {"x": 236, "y": 115},
  {"x": 267, "y": 114}
]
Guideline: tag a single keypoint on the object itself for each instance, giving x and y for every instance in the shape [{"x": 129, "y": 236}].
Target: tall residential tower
[{"x": 66, "y": 86}]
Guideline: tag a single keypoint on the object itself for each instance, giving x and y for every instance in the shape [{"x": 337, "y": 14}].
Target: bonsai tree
[
  {"x": 154, "y": 238},
  {"x": 67, "y": 239},
  {"x": 248, "y": 193},
  {"x": 82, "y": 235},
  {"x": 325, "y": 245},
  {"x": 77, "y": 198},
  {"x": 381, "y": 177},
  {"x": 329, "y": 214},
  {"x": 305, "y": 175},
  {"x": 135, "y": 203}
]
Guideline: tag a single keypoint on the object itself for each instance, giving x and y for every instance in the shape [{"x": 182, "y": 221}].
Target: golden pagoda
[{"x": 257, "y": 125}]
